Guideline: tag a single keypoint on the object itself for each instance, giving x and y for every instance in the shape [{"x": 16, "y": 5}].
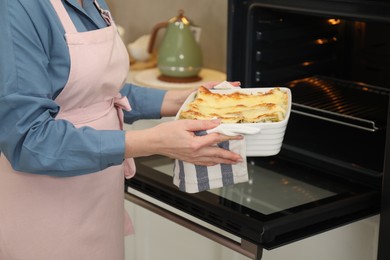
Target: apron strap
[
  {"x": 104, "y": 13},
  {"x": 64, "y": 16}
]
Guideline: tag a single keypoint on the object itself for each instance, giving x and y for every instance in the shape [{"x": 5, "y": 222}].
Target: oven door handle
[{"x": 245, "y": 248}]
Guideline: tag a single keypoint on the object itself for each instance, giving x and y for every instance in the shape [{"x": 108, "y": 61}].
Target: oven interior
[{"x": 337, "y": 69}]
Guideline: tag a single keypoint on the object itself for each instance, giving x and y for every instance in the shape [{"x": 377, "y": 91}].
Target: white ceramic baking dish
[{"x": 268, "y": 140}]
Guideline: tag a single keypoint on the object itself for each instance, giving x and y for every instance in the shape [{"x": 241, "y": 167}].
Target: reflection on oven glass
[
  {"x": 266, "y": 192},
  {"x": 166, "y": 168}
]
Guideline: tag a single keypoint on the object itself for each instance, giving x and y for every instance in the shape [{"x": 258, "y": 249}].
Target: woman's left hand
[{"x": 176, "y": 139}]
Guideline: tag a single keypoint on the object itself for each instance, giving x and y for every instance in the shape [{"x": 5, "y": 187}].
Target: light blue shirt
[{"x": 34, "y": 68}]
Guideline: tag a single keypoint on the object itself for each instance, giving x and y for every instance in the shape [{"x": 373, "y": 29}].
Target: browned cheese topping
[{"x": 237, "y": 107}]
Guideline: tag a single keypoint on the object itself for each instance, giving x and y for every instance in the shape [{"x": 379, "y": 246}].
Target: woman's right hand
[{"x": 176, "y": 139}]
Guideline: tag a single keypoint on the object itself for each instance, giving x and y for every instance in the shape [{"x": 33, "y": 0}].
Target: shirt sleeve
[
  {"x": 32, "y": 55},
  {"x": 145, "y": 102}
]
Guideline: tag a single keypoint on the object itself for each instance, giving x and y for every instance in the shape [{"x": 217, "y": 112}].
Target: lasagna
[{"x": 237, "y": 107}]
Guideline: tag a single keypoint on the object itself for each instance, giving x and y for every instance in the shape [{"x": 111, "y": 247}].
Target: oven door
[{"x": 282, "y": 202}]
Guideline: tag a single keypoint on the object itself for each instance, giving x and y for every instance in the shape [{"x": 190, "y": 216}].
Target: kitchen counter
[{"x": 149, "y": 78}]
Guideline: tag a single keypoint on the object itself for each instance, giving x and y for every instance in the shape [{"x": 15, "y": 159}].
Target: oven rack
[{"x": 345, "y": 102}]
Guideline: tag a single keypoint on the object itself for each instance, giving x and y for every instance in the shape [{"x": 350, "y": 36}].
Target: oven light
[
  {"x": 325, "y": 40},
  {"x": 334, "y": 21},
  {"x": 307, "y": 63}
]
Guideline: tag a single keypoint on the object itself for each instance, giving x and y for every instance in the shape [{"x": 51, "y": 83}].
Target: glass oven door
[{"x": 281, "y": 203}]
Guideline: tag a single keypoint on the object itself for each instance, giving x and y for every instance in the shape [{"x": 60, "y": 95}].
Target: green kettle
[{"x": 179, "y": 56}]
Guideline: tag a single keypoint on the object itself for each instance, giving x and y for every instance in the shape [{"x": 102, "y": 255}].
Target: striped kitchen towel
[{"x": 195, "y": 178}]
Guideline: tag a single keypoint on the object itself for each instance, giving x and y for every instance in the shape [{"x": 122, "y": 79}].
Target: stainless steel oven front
[{"x": 335, "y": 58}]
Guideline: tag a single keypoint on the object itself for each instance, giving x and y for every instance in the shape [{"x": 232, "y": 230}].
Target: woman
[{"x": 63, "y": 150}]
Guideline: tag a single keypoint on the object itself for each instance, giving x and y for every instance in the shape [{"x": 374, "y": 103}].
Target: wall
[{"x": 139, "y": 17}]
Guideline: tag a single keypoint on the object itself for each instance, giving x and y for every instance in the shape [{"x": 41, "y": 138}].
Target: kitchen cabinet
[{"x": 158, "y": 238}]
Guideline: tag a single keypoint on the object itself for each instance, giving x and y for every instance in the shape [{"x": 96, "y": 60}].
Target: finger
[
  {"x": 216, "y": 138},
  {"x": 211, "y": 161},
  {"x": 235, "y": 83},
  {"x": 219, "y": 155},
  {"x": 210, "y": 84},
  {"x": 223, "y": 138},
  {"x": 207, "y": 161},
  {"x": 201, "y": 125}
]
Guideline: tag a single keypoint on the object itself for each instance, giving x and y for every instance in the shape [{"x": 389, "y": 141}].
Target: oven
[{"x": 332, "y": 168}]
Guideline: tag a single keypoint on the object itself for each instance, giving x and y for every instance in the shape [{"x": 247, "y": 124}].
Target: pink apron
[{"x": 81, "y": 217}]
